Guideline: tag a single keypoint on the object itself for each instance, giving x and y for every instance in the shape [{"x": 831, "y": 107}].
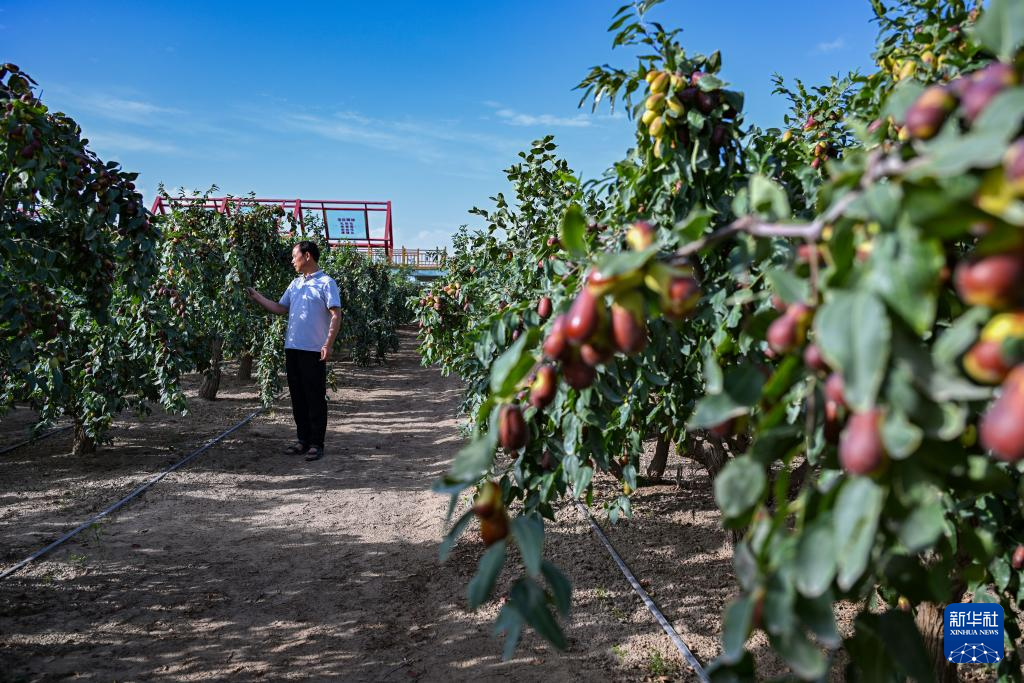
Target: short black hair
[{"x": 307, "y": 247}]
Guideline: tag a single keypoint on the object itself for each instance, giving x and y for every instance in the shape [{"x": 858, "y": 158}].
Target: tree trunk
[
  {"x": 708, "y": 450},
  {"x": 712, "y": 453},
  {"x": 656, "y": 469},
  {"x": 83, "y": 444},
  {"x": 245, "y": 367},
  {"x": 797, "y": 478},
  {"x": 930, "y": 623},
  {"x": 211, "y": 377}
]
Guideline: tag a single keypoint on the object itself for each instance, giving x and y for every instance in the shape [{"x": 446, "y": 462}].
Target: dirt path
[{"x": 253, "y": 564}]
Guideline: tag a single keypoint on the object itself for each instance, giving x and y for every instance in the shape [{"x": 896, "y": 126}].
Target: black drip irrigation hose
[
  {"x": 648, "y": 602},
  {"x": 135, "y": 492},
  {"x": 42, "y": 436}
]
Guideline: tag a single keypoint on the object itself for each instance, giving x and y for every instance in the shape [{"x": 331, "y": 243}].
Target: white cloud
[
  {"x": 129, "y": 111},
  {"x": 516, "y": 118},
  {"x": 118, "y": 143},
  {"x": 831, "y": 46},
  {"x": 442, "y": 144},
  {"x": 353, "y": 128}
]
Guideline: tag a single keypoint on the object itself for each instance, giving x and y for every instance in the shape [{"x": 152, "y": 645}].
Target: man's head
[{"x": 305, "y": 256}]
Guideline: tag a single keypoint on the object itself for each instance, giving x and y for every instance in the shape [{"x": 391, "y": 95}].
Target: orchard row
[
  {"x": 104, "y": 307},
  {"x": 828, "y": 315}
]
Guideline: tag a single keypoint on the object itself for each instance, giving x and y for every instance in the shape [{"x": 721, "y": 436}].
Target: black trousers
[{"x": 307, "y": 384}]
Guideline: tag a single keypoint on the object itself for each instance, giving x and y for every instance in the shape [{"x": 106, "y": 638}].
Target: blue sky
[{"x": 421, "y": 103}]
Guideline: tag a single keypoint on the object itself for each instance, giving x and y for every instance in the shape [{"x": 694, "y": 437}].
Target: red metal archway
[{"x": 364, "y": 225}]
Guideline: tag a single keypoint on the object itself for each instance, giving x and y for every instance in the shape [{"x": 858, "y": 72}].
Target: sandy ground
[{"x": 252, "y": 564}]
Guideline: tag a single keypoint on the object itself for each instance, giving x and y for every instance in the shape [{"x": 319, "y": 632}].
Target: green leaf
[
  {"x": 739, "y": 619},
  {"x": 779, "y": 602},
  {"x": 561, "y": 588},
  {"x": 857, "y": 510},
  {"x": 741, "y": 391},
  {"x": 790, "y": 371},
  {"x": 572, "y": 231},
  {"x": 620, "y": 263},
  {"x": 788, "y": 286},
  {"x": 880, "y": 202},
  {"x": 865, "y": 648},
  {"x": 509, "y": 622},
  {"x": 576, "y": 474},
  {"x": 803, "y": 656},
  {"x": 900, "y": 436},
  {"x": 853, "y": 332},
  {"x": 774, "y": 443},
  {"x": 818, "y": 616},
  {"x": 768, "y": 197},
  {"x": 1000, "y": 30},
  {"x": 709, "y": 83},
  {"x": 985, "y": 596},
  {"x": 904, "y": 645},
  {"x": 1003, "y": 114},
  {"x": 903, "y": 95},
  {"x": 982, "y": 147},
  {"x": 1001, "y": 573},
  {"x": 513, "y": 365},
  {"x": 629, "y": 475},
  {"x": 694, "y": 225},
  {"x": 922, "y": 527},
  {"x": 745, "y": 564},
  {"x": 905, "y": 269},
  {"x": 482, "y": 583},
  {"x": 453, "y": 536},
  {"x": 529, "y": 599},
  {"x": 959, "y": 337},
  {"x": 815, "y": 562},
  {"x": 739, "y": 486},
  {"x": 712, "y": 372},
  {"x": 528, "y": 530},
  {"x": 473, "y": 460}
]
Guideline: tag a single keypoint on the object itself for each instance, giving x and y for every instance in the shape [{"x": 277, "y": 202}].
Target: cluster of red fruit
[
  {"x": 591, "y": 331},
  {"x": 823, "y": 149},
  {"x": 996, "y": 281},
  {"x": 452, "y": 291},
  {"x": 861, "y": 450},
  {"x": 973, "y": 93},
  {"x": 670, "y": 96},
  {"x": 18, "y": 86},
  {"x": 177, "y": 302},
  {"x": 26, "y": 134}
]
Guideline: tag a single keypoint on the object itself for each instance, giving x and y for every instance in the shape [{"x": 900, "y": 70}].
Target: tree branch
[{"x": 878, "y": 167}]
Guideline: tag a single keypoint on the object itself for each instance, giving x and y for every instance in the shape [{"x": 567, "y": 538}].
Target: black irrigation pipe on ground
[
  {"x": 135, "y": 492},
  {"x": 648, "y": 602},
  {"x": 42, "y": 436}
]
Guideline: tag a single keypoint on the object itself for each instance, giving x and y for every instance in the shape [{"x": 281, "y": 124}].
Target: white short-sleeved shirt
[{"x": 308, "y": 299}]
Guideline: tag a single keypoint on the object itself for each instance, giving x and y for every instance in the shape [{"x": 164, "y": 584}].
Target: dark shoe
[
  {"x": 297, "y": 448},
  {"x": 315, "y": 453}
]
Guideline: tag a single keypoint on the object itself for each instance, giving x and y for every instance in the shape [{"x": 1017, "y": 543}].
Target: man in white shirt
[{"x": 313, "y": 307}]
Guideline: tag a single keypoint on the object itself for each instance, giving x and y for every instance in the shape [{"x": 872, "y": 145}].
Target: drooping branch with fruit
[
  {"x": 838, "y": 327},
  {"x": 80, "y": 322}
]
